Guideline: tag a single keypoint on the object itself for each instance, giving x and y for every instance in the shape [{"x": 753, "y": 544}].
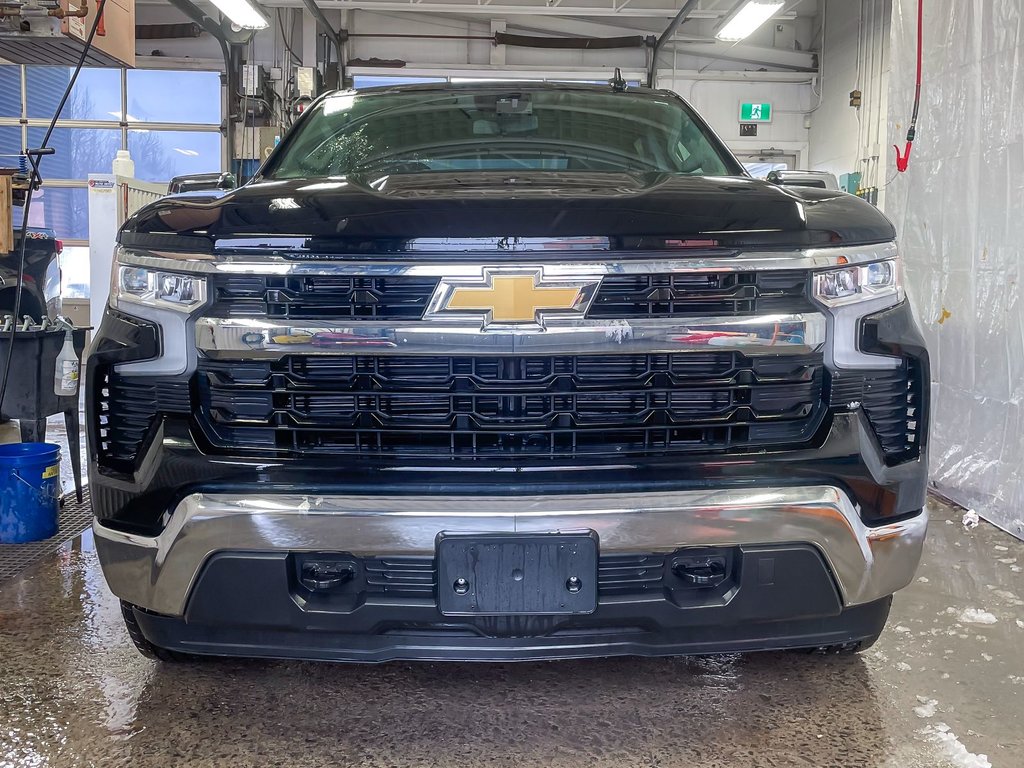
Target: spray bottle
[{"x": 65, "y": 375}]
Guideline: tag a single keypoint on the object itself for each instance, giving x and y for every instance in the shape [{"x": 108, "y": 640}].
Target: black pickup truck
[
  {"x": 41, "y": 295},
  {"x": 506, "y": 371}
]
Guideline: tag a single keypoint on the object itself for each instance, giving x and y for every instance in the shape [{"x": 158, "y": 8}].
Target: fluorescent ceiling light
[
  {"x": 742, "y": 22},
  {"x": 246, "y": 14}
]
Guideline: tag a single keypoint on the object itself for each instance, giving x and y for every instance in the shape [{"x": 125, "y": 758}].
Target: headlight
[
  {"x": 863, "y": 282},
  {"x": 170, "y": 290}
]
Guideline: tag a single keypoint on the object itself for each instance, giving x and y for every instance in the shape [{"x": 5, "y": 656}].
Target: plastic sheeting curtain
[{"x": 960, "y": 215}]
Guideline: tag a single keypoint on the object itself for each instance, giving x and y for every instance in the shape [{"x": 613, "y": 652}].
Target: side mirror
[
  {"x": 198, "y": 182},
  {"x": 812, "y": 179}
]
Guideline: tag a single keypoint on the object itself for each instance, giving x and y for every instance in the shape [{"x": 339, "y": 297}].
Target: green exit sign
[{"x": 756, "y": 113}]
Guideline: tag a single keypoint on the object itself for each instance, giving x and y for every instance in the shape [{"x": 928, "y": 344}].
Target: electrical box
[
  {"x": 305, "y": 82},
  {"x": 255, "y": 143},
  {"x": 254, "y": 80},
  {"x": 850, "y": 182}
]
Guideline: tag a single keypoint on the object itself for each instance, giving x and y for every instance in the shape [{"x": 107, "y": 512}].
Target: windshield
[{"x": 540, "y": 130}]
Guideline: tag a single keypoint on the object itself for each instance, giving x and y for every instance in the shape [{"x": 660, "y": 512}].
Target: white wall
[
  {"x": 855, "y": 55},
  {"x": 718, "y": 101},
  {"x": 958, "y": 213}
]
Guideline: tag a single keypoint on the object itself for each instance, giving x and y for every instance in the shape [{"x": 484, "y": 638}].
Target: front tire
[{"x": 143, "y": 645}]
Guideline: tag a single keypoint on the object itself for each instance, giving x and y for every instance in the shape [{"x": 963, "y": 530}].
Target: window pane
[
  {"x": 162, "y": 155},
  {"x": 10, "y": 91},
  {"x": 74, "y": 272},
  {"x": 173, "y": 97},
  {"x": 65, "y": 211},
  {"x": 96, "y": 95},
  {"x": 79, "y": 151},
  {"x": 487, "y": 129},
  {"x": 10, "y": 144}
]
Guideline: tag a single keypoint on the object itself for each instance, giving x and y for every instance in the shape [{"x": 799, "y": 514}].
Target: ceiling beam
[
  {"x": 613, "y": 8},
  {"x": 704, "y": 47},
  {"x": 557, "y": 25},
  {"x": 782, "y": 58}
]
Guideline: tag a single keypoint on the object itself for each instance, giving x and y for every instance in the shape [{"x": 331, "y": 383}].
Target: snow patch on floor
[
  {"x": 976, "y": 616},
  {"x": 927, "y": 708},
  {"x": 953, "y": 748}
]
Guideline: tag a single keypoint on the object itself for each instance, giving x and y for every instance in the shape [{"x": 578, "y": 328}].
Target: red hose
[{"x": 902, "y": 161}]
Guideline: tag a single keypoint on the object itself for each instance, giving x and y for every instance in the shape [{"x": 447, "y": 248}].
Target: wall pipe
[
  {"x": 332, "y": 34},
  {"x": 670, "y": 30}
]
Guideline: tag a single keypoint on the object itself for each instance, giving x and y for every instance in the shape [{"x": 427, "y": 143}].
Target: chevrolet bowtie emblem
[{"x": 512, "y": 298}]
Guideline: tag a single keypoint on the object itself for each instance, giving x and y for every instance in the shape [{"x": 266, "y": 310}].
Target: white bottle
[
  {"x": 65, "y": 373},
  {"x": 124, "y": 165}
]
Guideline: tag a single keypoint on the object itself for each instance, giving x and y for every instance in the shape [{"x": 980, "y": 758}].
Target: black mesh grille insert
[
  {"x": 684, "y": 294},
  {"x": 321, "y": 296},
  {"x": 701, "y": 293},
  {"x": 475, "y": 407}
]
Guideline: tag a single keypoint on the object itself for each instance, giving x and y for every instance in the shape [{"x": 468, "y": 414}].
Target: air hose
[{"x": 902, "y": 161}]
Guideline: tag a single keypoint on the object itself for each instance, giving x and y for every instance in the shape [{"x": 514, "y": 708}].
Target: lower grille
[
  {"x": 476, "y": 407},
  {"x": 417, "y": 576},
  {"x": 400, "y": 576}
]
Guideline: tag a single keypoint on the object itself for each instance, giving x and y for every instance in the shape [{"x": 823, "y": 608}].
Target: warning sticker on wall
[{"x": 76, "y": 24}]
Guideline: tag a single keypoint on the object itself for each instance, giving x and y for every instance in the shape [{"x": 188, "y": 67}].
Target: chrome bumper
[{"x": 157, "y": 572}]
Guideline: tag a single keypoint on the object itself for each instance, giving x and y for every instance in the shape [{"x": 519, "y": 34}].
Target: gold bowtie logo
[{"x": 518, "y": 298}]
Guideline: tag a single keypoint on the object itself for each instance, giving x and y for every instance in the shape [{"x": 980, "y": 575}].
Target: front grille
[
  {"x": 684, "y": 294},
  {"x": 689, "y": 294},
  {"x": 321, "y": 297},
  {"x": 479, "y": 407},
  {"x": 126, "y": 409}
]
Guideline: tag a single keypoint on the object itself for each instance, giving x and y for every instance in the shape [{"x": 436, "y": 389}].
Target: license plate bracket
[{"x": 517, "y": 574}]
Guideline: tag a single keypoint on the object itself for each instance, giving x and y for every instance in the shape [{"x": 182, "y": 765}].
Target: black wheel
[
  {"x": 841, "y": 649},
  {"x": 145, "y": 647}
]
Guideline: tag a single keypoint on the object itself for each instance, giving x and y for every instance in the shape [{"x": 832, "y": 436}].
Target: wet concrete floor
[{"x": 944, "y": 686}]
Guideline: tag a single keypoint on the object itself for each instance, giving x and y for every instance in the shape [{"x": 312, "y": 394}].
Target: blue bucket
[{"x": 29, "y": 491}]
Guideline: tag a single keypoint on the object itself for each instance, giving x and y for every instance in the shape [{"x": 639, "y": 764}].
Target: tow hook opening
[
  {"x": 703, "y": 568},
  {"x": 324, "y": 573}
]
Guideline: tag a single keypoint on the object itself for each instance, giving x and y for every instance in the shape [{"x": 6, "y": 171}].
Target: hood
[{"x": 622, "y": 210}]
